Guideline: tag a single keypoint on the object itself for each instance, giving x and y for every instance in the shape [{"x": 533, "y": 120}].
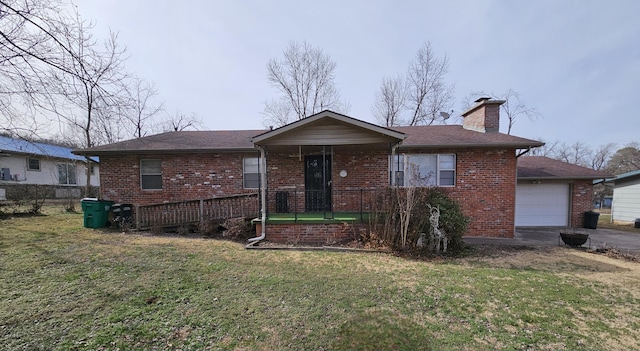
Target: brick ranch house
[{"x": 327, "y": 164}]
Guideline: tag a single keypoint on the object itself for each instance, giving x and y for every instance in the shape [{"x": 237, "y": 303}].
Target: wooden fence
[{"x": 173, "y": 214}]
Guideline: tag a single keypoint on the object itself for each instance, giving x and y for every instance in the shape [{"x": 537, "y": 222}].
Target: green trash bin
[{"x": 96, "y": 212}]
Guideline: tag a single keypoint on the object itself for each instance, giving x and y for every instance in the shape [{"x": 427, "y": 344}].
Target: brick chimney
[{"x": 484, "y": 116}]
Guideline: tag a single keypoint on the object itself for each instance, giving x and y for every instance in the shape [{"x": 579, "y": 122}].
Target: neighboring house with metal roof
[
  {"x": 626, "y": 197},
  {"x": 327, "y": 163},
  {"x": 28, "y": 167},
  {"x": 553, "y": 193}
]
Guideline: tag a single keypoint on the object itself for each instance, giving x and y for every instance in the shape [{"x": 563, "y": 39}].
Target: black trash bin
[
  {"x": 122, "y": 214},
  {"x": 591, "y": 219}
]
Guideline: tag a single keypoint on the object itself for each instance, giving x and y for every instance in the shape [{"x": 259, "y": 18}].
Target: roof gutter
[
  {"x": 160, "y": 151},
  {"x": 468, "y": 146}
]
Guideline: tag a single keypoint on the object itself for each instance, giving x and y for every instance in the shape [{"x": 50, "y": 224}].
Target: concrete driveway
[{"x": 549, "y": 236}]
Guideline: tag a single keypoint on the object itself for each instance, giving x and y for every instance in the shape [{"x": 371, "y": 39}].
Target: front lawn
[
  {"x": 64, "y": 287},
  {"x": 604, "y": 221}
]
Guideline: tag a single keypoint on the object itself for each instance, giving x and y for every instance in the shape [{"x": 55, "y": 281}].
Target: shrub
[{"x": 386, "y": 223}]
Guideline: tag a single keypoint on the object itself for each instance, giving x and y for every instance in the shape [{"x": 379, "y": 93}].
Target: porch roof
[{"x": 329, "y": 128}]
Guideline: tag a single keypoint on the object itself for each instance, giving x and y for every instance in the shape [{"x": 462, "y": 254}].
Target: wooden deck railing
[{"x": 170, "y": 214}]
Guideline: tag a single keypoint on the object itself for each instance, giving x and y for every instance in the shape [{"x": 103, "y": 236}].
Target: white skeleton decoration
[{"x": 439, "y": 236}]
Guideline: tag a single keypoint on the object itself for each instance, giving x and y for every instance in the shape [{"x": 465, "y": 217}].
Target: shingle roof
[
  {"x": 442, "y": 136},
  {"x": 540, "y": 167},
  {"x": 181, "y": 141},
  {"x": 20, "y": 146}
]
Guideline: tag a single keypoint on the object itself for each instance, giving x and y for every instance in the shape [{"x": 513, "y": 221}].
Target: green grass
[
  {"x": 64, "y": 287},
  {"x": 604, "y": 221}
]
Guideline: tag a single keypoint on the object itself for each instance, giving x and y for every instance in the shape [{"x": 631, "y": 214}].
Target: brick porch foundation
[{"x": 312, "y": 233}]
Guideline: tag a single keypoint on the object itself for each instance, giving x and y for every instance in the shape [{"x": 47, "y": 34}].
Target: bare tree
[
  {"x": 601, "y": 156},
  {"x": 278, "y": 112},
  {"x": 548, "y": 149},
  {"x": 513, "y": 108},
  {"x": 390, "y": 101},
  {"x": 88, "y": 94},
  {"x": 304, "y": 78},
  {"x": 419, "y": 97},
  {"x": 577, "y": 153},
  {"x": 427, "y": 92},
  {"x": 51, "y": 68},
  {"x": 179, "y": 122},
  {"x": 142, "y": 109},
  {"x": 28, "y": 50}
]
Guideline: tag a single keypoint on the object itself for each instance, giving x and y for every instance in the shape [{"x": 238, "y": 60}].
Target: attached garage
[
  {"x": 542, "y": 204},
  {"x": 553, "y": 193}
]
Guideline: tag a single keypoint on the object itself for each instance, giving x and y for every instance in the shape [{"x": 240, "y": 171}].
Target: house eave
[
  {"x": 559, "y": 178},
  {"x": 469, "y": 146},
  {"x": 163, "y": 151}
]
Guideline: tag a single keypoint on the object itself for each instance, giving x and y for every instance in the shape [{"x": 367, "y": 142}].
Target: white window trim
[
  {"x": 244, "y": 172},
  {"x": 439, "y": 170},
  {"x": 68, "y": 166},
  {"x": 150, "y": 174},
  {"x": 29, "y": 164}
]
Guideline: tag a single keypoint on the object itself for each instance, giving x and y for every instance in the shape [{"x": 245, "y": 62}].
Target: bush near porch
[{"x": 386, "y": 221}]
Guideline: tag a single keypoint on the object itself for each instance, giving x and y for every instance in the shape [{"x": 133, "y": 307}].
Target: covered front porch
[{"x": 321, "y": 177}]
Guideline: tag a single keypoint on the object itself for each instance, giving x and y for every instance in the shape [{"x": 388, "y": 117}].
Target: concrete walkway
[{"x": 628, "y": 242}]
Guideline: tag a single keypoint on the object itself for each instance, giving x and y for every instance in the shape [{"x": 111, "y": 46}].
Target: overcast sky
[{"x": 576, "y": 61}]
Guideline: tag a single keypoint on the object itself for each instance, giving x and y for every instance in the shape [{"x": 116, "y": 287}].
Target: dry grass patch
[{"x": 64, "y": 287}]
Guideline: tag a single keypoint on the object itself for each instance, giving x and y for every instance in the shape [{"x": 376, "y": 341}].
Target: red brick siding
[
  {"x": 315, "y": 234},
  {"x": 581, "y": 201},
  {"x": 484, "y": 118},
  {"x": 485, "y": 188},
  {"x": 485, "y": 181},
  {"x": 368, "y": 170},
  {"x": 184, "y": 177}
]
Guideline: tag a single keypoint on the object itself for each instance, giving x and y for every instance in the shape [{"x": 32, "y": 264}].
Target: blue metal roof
[{"x": 10, "y": 145}]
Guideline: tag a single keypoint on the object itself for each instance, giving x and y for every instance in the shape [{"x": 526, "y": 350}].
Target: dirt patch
[{"x": 610, "y": 267}]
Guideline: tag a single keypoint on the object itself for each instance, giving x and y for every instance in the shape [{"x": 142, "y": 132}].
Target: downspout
[{"x": 263, "y": 197}]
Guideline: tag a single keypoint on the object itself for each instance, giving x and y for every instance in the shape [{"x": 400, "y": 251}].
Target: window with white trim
[
  {"x": 33, "y": 164},
  {"x": 151, "y": 174},
  {"x": 67, "y": 174},
  {"x": 423, "y": 170},
  {"x": 251, "y": 172}
]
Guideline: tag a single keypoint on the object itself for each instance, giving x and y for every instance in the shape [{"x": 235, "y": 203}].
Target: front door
[{"x": 317, "y": 183}]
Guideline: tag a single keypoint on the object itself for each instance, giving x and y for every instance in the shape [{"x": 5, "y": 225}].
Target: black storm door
[{"x": 317, "y": 183}]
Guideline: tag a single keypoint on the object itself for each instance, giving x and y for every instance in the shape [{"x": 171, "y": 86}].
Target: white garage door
[{"x": 542, "y": 204}]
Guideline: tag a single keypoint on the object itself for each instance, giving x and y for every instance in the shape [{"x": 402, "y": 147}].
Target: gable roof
[
  {"x": 180, "y": 142},
  {"x": 24, "y": 147},
  {"x": 447, "y": 136},
  {"x": 324, "y": 128},
  {"x": 541, "y": 167},
  {"x": 328, "y": 128}
]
